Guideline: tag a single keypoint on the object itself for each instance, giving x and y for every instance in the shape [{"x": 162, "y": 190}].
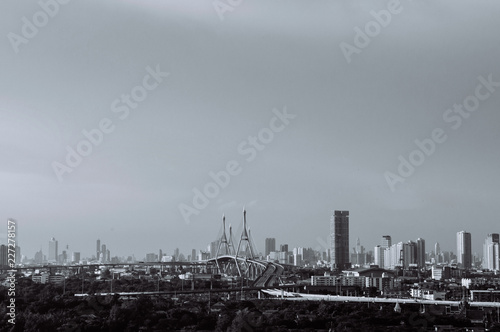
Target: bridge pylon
[
  {"x": 223, "y": 241},
  {"x": 230, "y": 243},
  {"x": 249, "y": 251}
]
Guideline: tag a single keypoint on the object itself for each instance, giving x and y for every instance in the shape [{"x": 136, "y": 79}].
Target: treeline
[{"x": 45, "y": 308}]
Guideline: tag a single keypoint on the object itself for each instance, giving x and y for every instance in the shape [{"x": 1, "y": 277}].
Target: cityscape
[
  {"x": 463, "y": 284},
  {"x": 338, "y": 255},
  {"x": 244, "y": 166}
]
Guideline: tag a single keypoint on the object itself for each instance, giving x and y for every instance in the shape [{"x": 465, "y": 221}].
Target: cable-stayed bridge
[{"x": 242, "y": 260}]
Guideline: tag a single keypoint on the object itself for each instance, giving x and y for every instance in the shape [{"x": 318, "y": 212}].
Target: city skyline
[{"x": 318, "y": 245}]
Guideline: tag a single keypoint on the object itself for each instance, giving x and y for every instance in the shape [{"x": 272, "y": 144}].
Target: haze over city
[{"x": 214, "y": 88}]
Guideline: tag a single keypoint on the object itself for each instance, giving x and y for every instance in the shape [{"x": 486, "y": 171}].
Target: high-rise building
[
  {"x": 212, "y": 248},
  {"x": 53, "y": 253},
  {"x": 464, "y": 249},
  {"x": 39, "y": 257},
  {"x": 410, "y": 252},
  {"x": 386, "y": 241},
  {"x": 270, "y": 245},
  {"x": 378, "y": 253},
  {"x": 438, "y": 255},
  {"x": 98, "y": 249},
  {"x": 284, "y": 248},
  {"x": 401, "y": 255},
  {"x": 420, "y": 253},
  {"x": 102, "y": 255},
  {"x": 151, "y": 257},
  {"x": 491, "y": 248},
  {"x": 75, "y": 257},
  {"x": 339, "y": 234},
  {"x": 358, "y": 256},
  {"x": 437, "y": 249},
  {"x": 193, "y": 255},
  {"x": 392, "y": 256}
]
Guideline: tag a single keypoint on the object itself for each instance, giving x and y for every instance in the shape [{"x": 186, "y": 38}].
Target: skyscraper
[
  {"x": 464, "y": 249},
  {"x": 98, "y": 249},
  {"x": 491, "y": 257},
  {"x": 339, "y": 234},
  {"x": 420, "y": 253},
  {"x": 53, "y": 253},
  {"x": 437, "y": 253},
  {"x": 378, "y": 253},
  {"x": 437, "y": 249},
  {"x": 410, "y": 252},
  {"x": 103, "y": 253},
  {"x": 386, "y": 241},
  {"x": 270, "y": 245}
]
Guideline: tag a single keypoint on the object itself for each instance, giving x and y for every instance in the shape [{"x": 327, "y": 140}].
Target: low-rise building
[
  {"x": 489, "y": 295},
  {"x": 427, "y": 294},
  {"x": 44, "y": 277}
]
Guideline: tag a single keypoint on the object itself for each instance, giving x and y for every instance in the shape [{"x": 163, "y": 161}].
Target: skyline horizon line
[{"x": 352, "y": 239}]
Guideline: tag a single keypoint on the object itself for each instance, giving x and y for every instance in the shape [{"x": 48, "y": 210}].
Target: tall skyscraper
[
  {"x": 437, "y": 249},
  {"x": 39, "y": 257},
  {"x": 284, "y": 248},
  {"x": 379, "y": 251},
  {"x": 410, "y": 252},
  {"x": 270, "y": 245},
  {"x": 98, "y": 249},
  {"x": 53, "y": 253},
  {"x": 386, "y": 241},
  {"x": 464, "y": 249},
  {"x": 420, "y": 253},
  {"x": 212, "y": 248},
  {"x": 103, "y": 253},
  {"x": 339, "y": 234},
  {"x": 491, "y": 248},
  {"x": 378, "y": 255}
]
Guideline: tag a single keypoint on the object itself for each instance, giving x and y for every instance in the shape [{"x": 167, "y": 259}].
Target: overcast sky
[{"x": 351, "y": 115}]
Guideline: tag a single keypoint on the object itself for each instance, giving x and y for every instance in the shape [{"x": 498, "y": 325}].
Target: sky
[{"x": 117, "y": 115}]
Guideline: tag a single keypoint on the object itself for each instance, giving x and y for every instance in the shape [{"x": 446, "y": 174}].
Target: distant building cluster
[{"x": 339, "y": 256}]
